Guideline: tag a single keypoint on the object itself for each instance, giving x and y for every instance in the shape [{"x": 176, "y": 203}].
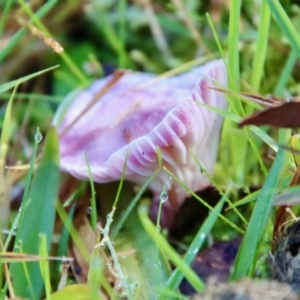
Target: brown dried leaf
[
  {"x": 9, "y": 257},
  {"x": 284, "y": 116},
  {"x": 280, "y": 114}
]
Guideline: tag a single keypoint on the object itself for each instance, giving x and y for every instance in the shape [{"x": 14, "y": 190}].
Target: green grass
[
  {"x": 41, "y": 197},
  {"x": 136, "y": 254},
  {"x": 262, "y": 45},
  {"x": 248, "y": 252},
  {"x": 198, "y": 241}
]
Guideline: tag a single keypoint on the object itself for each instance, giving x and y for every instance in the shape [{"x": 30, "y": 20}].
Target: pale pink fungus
[{"x": 135, "y": 117}]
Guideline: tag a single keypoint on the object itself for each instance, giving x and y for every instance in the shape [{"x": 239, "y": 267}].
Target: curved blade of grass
[
  {"x": 166, "y": 249},
  {"x": 33, "y": 96},
  {"x": 64, "y": 106},
  {"x": 6, "y": 129},
  {"x": 242, "y": 147},
  {"x": 38, "y": 213},
  {"x": 176, "y": 277},
  {"x": 256, "y": 130},
  {"x": 286, "y": 73},
  {"x": 217, "y": 40},
  {"x": 231, "y": 205},
  {"x": 7, "y": 86},
  {"x": 202, "y": 201},
  {"x": 145, "y": 267},
  {"x": 249, "y": 198},
  {"x": 247, "y": 253},
  {"x": 289, "y": 194}
]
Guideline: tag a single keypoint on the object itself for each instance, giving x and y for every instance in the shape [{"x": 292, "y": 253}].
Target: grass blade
[
  {"x": 261, "y": 48},
  {"x": 13, "y": 83},
  {"x": 38, "y": 213},
  {"x": 44, "y": 265},
  {"x": 254, "y": 129},
  {"x": 233, "y": 41},
  {"x": 233, "y": 53},
  {"x": 197, "y": 243},
  {"x": 146, "y": 268},
  {"x": 5, "y": 16},
  {"x": 72, "y": 231},
  {"x": 285, "y": 23},
  {"x": 6, "y": 129},
  {"x": 260, "y": 215},
  {"x": 133, "y": 203},
  {"x": 166, "y": 249},
  {"x": 203, "y": 202},
  {"x": 93, "y": 196},
  {"x": 286, "y": 73}
]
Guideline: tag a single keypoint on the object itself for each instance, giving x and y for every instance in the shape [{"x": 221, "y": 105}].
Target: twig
[
  {"x": 116, "y": 268},
  {"x": 7, "y": 276},
  {"x": 110, "y": 84}
]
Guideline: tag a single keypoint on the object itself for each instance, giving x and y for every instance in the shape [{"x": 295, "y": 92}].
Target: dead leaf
[
  {"x": 11, "y": 257},
  {"x": 285, "y": 115},
  {"x": 267, "y": 102}
]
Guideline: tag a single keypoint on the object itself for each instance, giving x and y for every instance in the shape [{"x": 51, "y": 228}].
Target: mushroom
[{"x": 138, "y": 114}]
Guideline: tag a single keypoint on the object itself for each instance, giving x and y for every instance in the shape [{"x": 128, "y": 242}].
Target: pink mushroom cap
[{"x": 135, "y": 117}]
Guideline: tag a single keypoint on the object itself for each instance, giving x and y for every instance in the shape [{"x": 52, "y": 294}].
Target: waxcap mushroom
[{"x": 135, "y": 118}]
